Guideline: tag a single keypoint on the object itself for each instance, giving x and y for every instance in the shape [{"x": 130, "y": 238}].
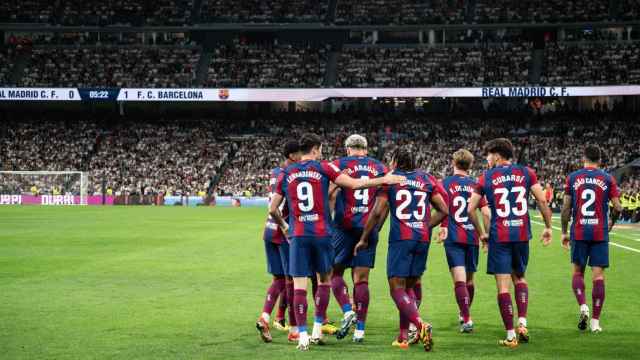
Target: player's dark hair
[
  {"x": 500, "y": 146},
  {"x": 308, "y": 142},
  {"x": 593, "y": 153},
  {"x": 289, "y": 148},
  {"x": 404, "y": 158}
]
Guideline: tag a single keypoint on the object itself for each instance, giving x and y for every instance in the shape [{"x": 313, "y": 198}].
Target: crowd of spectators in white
[
  {"x": 400, "y": 12},
  {"x": 258, "y": 11},
  {"x": 591, "y": 64},
  {"x": 374, "y": 66},
  {"x": 353, "y": 12},
  {"x": 541, "y": 11},
  {"x": 240, "y": 64},
  {"x": 97, "y": 12},
  {"x": 111, "y": 66},
  {"x": 183, "y": 157},
  {"x": 163, "y": 158}
]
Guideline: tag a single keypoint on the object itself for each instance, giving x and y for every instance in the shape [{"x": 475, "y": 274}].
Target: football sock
[
  {"x": 506, "y": 310},
  {"x": 597, "y": 296},
  {"x": 341, "y": 292},
  {"x": 361, "y": 297},
  {"x": 462, "y": 297}
]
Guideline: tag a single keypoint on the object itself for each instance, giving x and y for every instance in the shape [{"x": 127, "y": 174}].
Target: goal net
[{"x": 54, "y": 187}]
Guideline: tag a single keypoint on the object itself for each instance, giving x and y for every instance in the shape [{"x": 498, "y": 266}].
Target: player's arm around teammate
[{"x": 306, "y": 186}]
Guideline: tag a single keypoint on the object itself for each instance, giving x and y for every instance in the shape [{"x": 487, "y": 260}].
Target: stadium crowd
[
  {"x": 112, "y": 66},
  {"x": 405, "y": 12},
  {"x": 267, "y": 65},
  {"x": 234, "y": 156},
  {"x": 5, "y": 65},
  {"x": 97, "y": 13},
  {"x": 255, "y": 11},
  {"x": 548, "y": 11},
  {"x": 153, "y": 158},
  {"x": 433, "y": 66},
  {"x": 591, "y": 64},
  {"x": 122, "y": 60},
  {"x": 352, "y": 12}
]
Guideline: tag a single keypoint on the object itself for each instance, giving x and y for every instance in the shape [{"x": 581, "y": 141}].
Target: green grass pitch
[{"x": 189, "y": 283}]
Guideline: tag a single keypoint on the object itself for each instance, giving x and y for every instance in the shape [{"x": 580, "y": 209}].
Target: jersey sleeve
[
  {"x": 479, "y": 188},
  {"x": 279, "y": 188},
  {"x": 483, "y": 202},
  {"x": 614, "y": 191},
  {"x": 330, "y": 170},
  {"x": 533, "y": 178}
]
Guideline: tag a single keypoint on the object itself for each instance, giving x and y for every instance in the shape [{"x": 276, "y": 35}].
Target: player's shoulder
[
  {"x": 286, "y": 169},
  {"x": 451, "y": 179},
  {"x": 604, "y": 173},
  {"x": 523, "y": 167},
  {"x": 342, "y": 161},
  {"x": 374, "y": 161},
  {"x": 575, "y": 173},
  {"x": 423, "y": 174}
]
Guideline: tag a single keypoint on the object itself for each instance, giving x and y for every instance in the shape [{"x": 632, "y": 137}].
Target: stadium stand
[
  {"x": 629, "y": 10},
  {"x": 6, "y": 61},
  {"x": 152, "y": 158},
  {"x": 546, "y": 11},
  {"x": 376, "y": 66},
  {"x": 109, "y": 66},
  {"x": 592, "y": 64},
  {"x": 233, "y": 156},
  {"x": 27, "y": 11},
  {"x": 405, "y": 12},
  {"x": 267, "y": 65},
  {"x": 255, "y": 11},
  {"x": 98, "y": 13}
]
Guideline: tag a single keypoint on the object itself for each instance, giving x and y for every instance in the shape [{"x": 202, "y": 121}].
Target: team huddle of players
[{"x": 324, "y": 217}]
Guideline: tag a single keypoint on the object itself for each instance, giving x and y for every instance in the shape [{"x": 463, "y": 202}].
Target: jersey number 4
[{"x": 362, "y": 195}]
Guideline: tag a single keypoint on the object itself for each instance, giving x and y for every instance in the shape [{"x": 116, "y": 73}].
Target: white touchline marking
[
  {"x": 624, "y": 236},
  {"x": 610, "y": 242},
  {"x": 624, "y": 247}
]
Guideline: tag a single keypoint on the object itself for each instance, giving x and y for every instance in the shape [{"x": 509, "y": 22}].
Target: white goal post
[{"x": 71, "y": 186}]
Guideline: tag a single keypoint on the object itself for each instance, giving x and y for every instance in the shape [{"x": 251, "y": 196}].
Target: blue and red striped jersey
[
  {"x": 410, "y": 205},
  {"x": 272, "y": 231},
  {"x": 507, "y": 189},
  {"x": 305, "y": 185},
  {"x": 353, "y": 206},
  {"x": 590, "y": 190},
  {"x": 460, "y": 230}
]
